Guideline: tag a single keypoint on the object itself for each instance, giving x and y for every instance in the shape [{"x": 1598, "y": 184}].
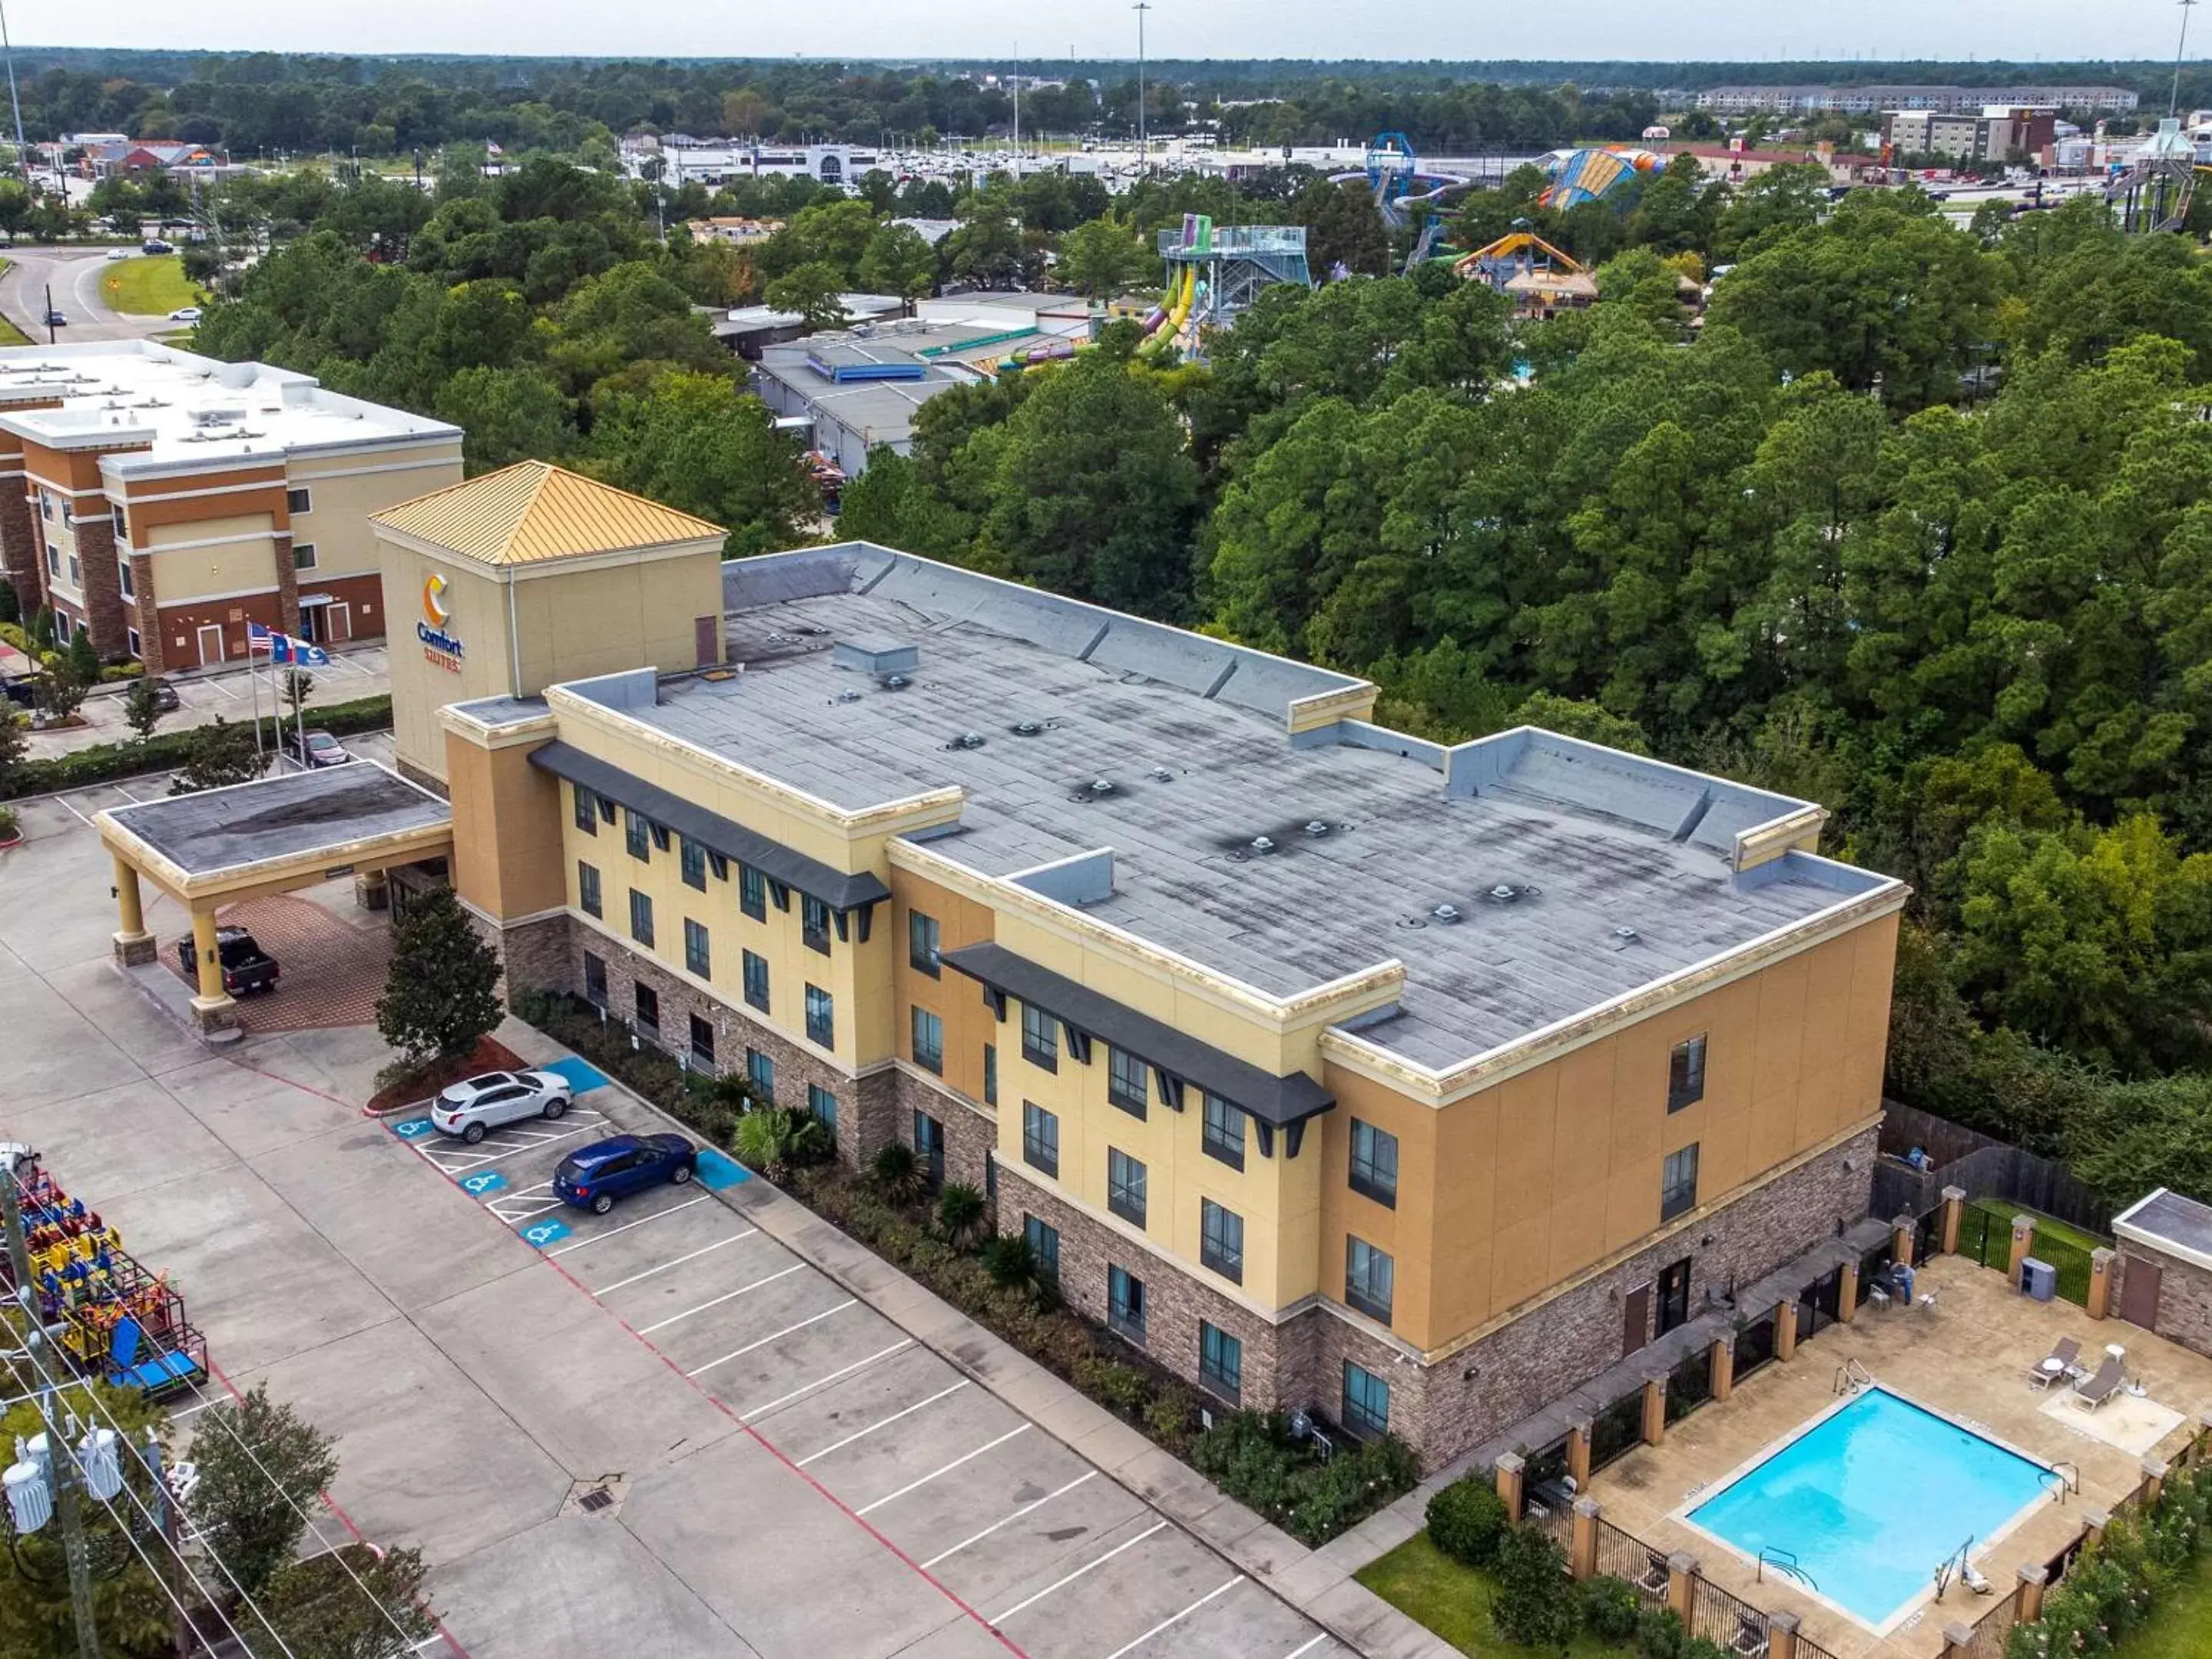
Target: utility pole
[
  {"x": 23, "y": 151},
  {"x": 1018, "y": 111},
  {"x": 1141, "y": 8},
  {"x": 2174, "y": 104},
  {"x": 49, "y": 313},
  {"x": 61, "y": 1455}
]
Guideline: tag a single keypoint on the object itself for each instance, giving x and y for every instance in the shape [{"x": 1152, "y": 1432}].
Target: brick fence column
[
  {"x": 1509, "y": 1472},
  {"x": 1721, "y": 1357},
  {"x": 2030, "y": 1592},
  {"x": 1955, "y": 1213},
  {"x": 1957, "y": 1641},
  {"x": 1582, "y": 1551},
  {"x": 2100, "y": 1283},
  {"x": 1781, "y": 1636},
  {"x": 2023, "y": 1246},
  {"x": 2155, "y": 1471},
  {"x": 1901, "y": 1231},
  {"x": 1654, "y": 1409},
  {"x": 1847, "y": 1293},
  {"x": 1681, "y": 1579},
  {"x": 1785, "y": 1331},
  {"x": 1578, "y": 1454}
]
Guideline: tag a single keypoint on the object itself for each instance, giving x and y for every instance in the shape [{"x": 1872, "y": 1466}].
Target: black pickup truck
[{"x": 246, "y": 967}]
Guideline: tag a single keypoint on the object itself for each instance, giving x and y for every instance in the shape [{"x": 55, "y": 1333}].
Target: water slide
[{"x": 1165, "y": 322}]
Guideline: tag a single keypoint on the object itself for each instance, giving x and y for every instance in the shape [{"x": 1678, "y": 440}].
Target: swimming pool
[{"x": 1871, "y": 1500}]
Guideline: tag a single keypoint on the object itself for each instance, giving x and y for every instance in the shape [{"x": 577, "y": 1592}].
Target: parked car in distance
[
  {"x": 475, "y": 1104},
  {"x": 115, "y": 254},
  {"x": 165, "y": 700},
  {"x": 55, "y": 320},
  {"x": 592, "y": 1177},
  {"x": 318, "y": 749},
  {"x": 22, "y": 690},
  {"x": 185, "y": 314},
  {"x": 246, "y": 967},
  {"x": 156, "y": 245}
]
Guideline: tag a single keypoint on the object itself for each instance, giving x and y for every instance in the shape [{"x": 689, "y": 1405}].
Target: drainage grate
[
  {"x": 597, "y": 1498},
  {"x": 600, "y": 1495}
]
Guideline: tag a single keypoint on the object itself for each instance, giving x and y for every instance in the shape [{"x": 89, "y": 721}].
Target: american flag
[{"x": 282, "y": 648}]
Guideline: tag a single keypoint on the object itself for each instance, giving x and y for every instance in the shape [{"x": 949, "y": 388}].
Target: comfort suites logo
[{"x": 439, "y": 646}]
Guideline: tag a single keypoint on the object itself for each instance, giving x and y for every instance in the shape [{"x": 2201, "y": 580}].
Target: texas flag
[{"x": 282, "y": 648}]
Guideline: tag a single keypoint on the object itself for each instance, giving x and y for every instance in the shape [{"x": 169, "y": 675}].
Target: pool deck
[{"x": 1967, "y": 1359}]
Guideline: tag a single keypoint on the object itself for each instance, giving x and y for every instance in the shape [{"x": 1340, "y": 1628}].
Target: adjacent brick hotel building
[
  {"x": 162, "y": 501},
  {"x": 1410, "y": 1083}
]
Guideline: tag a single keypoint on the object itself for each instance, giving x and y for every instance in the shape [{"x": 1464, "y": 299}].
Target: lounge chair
[
  {"x": 1750, "y": 1638},
  {"x": 1655, "y": 1574},
  {"x": 2094, "y": 1391},
  {"x": 2065, "y": 1351}
]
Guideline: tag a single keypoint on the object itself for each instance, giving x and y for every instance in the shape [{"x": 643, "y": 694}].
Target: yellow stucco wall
[
  {"x": 424, "y": 681},
  {"x": 579, "y": 621},
  {"x": 344, "y": 490},
  {"x": 240, "y": 560},
  {"x": 507, "y": 845}
]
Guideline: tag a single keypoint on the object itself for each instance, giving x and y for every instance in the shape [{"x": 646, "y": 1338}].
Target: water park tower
[
  {"x": 2153, "y": 192},
  {"x": 1216, "y": 272}
]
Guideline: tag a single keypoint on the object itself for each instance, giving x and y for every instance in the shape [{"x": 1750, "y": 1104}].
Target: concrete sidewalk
[{"x": 1318, "y": 1582}]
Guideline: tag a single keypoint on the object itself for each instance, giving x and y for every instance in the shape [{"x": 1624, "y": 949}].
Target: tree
[
  {"x": 261, "y": 1464},
  {"x": 61, "y": 691},
  {"x": 1534, "y": 1602},
  {"x": 1586, "y": 721},
  {"x": 701, "y": 444},
  {"x": 1101, "y": 258},
  {"x": 442, "y": 994},
  {"x": 811, "y": 293},
  {"x": 507, "y": 415},
  {"x": 899, "y": 260},
  {"x": 142, "y": 710},
  {"x": 960, "y": 1209},
  {"x": 83, "y": 659},
  {"x": 1344, "y": 230},
  {"x": 352, "y": 1603},
  {"x": 986, "y": 250},
  {"x": 298, "y": 687},
  {"x": 218, "y": 755}
]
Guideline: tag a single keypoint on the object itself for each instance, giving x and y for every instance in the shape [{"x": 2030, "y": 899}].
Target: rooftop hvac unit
[{"x": 2039, "y": 1280}]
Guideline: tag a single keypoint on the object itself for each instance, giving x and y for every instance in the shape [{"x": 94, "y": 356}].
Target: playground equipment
[
  {"x": 1215, "y": 273},
  {"x": 1540, "y": 280},
  {"x": 1591, "y": 175},
  {"x": 2152, "y": 193},
  {"x": 1394, "y": 175},
  {"x": 117, "y": 1323}
]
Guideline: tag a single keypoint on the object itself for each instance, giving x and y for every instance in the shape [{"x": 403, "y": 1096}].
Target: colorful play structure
[
  {"x": 1401, "y": 186},
  {"x": 1215, "y": 272},
  {"x": 1540, "y": 279},
  {"x": 2152, "y": 192},
  {"x": 117, "y": 1323},
  {"x": 1591, "y": 175}
]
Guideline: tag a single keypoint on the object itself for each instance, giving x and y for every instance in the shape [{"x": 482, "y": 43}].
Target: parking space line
[
  {"x": 627, "y": 1225},
  {"x": 73, "y": 812},
  {"x": 969, "y": 1457},
  {"x": 849, "y": 1301},
  {"x": 1088, "y": 1475},
  {"x": 514, "y": 1217},
  {"x": 1178, "y": 1618},
  {"x": 862, "y": 1434},
  {"x": 727, "y": 1295},
  {"x": 781, "y": 1401},
  {"x": 465, "y": 1162},
  {"x": 1307, "y": 1647},
  {"x": 679, "y": 1260},
  {"x": 1062, "y": 1583}
]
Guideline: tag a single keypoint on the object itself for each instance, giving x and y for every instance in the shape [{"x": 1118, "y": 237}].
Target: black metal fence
[
  {"x": 1729, "y": 1623},
  {"x": 1624, "y": 1556},
  {"x": 1754, "y": 1346},
  {"x": 1817, "y": 1305},
  {"x": 1690, "y": 1384},
  {"x": 1986, "y": 1239},
  {"x": 2072, "y": 1263},
  {"x": 1617, "y": 1430}
]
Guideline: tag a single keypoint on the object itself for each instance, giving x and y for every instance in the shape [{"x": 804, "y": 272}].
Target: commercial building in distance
[
  {"x": 1411, "y": 1084},
  {"x": 1817, "y": 98},
  {"x": 1993, "y": 134},
  {"x": 164, "y": 502}
]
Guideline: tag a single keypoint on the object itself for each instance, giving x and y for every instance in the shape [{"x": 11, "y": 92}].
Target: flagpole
[{"x": 253, "y": 689}]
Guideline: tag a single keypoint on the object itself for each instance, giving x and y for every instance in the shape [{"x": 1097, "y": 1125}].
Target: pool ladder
[
  {"x": 1852, "y": 1376},
  {"x": 1954, "y": 1567},
  {"x": 1783, "y": 1561},
  {"x": 2067, "y": 1477}
]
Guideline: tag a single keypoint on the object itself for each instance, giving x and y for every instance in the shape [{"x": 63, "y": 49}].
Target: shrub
[
  {"x": 11, "y": 608},
  {"x": 83, "y": 659},
  {"x": 1252, "y": 1457},
  {"x": 1172, "y": 1414},
  {"x": 898, "y": 1174},
  {"x": 1466, "y": 1519},
  {"x": 763, "y": 1142},
  {"x": 1534, "y": 1604},
  {"x": 960, "y": 1212},
  {"x": 7, "y": 823},
  {"x": 1123, "y": 1388},
  {"x": 1611, "y": 1607},
  {"x": 1660, "y": 1635}
]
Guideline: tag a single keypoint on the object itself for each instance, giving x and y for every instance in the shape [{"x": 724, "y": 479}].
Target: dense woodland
[{"x": 1914, "y": 522}]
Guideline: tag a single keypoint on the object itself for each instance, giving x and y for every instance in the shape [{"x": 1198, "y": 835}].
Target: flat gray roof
[
  {"x": 2168, "y": 1217},
  {"x": 1190, "y": 734},
  {"x": 287, "y": 816}
]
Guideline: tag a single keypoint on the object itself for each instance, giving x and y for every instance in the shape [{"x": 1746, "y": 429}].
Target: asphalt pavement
[{"x": 73, "y": 273}]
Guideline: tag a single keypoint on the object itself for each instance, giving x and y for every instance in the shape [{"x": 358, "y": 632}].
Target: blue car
[{"x": 592, "y": 1177}]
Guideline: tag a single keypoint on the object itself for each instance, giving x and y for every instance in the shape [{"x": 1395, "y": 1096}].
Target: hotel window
[
  {"x": 1221, "y": 1240},
  {"x": 1223, "y": 1137},
  {"x": 990, "y": 1074},
  {"x": 821, "y": 1017},
  {"x": 1686, "y": 1074},
  {"x": 694, "y": 859},
  {"x": 121, "y": 521},
  {"x": 297, "y": 502},
  {"x": 587, "y": 888},
  {"x": 1125, "y": 1186},
  {"x": 756, "y": 981},
  {"x": 303, "y": 555},
  {"x": 1678, "y": 1183},
  {"x": 587, "y": 816},
  {"x": 77, "y": 571},
  {"x": 53, "y": 559},
  {"x": 929, "y": 1147},
  {"x": 1220, "y": 1361},
  {"x": 1128, "y": 1081},
  {"x": 760, "y": 1072},
  {"x": 633, "y": 828},
  {"x": 1367, "y": 1278},
  {"x": 1366, "y": 1402},
  {"x": 1044, "y": 1244},
  {"x": 46, "y": 504},
  {"x": 647, "y": 1001},
  {"x": 1374, "y": 1162},
  {"x": 595, "y": 980},
  {"x": 130, "y": 641},
  {"x": 752, "y": 892},
  {"x": 1040, "y": 1139},
  {"x": 697, "y": 958},
  {"x": 921, "y": 942},
  {"x": 928, "y": 1041},
  {"x": 1040, "y": 1037},
  {"x": 814, "y": 923},
  {"x": 703, "y": 1041},
  {"x": 640, "y": 917},
  {"x": 1125, "y": 1304},
  {"x": 822, "y": 1106},
  {"x": 123, "y": 579}
]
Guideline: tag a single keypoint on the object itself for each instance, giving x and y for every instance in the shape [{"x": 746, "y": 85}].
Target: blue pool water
[{"x": 1872, "y": 1500}]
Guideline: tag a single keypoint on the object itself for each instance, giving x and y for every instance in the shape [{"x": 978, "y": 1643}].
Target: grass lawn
[
  {"x": 2181, "y": 1627},
  {"x": 9, "y": 334},
  {"x": 150, "y": 287},
  {"x": 1431, "y": 1588},
  {"x": 2073, "y": 1267}
]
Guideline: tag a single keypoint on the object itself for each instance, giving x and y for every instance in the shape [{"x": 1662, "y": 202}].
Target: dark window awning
[
  {"x": 1271, "y": 1099},
  {"x": 710, "y": 829}
]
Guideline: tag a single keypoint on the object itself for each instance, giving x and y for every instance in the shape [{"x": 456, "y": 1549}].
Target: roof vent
[
  {"x": 896, "y": 681},
  {"x": 1030, "y": 728},
  {"x": 1446, "y": 912},
  {"x": 1101, "y": 785},
  {"x": 1316, "y": 827},
  {"x": 1505, "y": 893},
  {"x": 1263, "y": 844},
  {"x": 875, "y": 653},
  {"x": 1162, "y": 774},
  {"x": 1626, "y": 935},
  {"x": 848, "y": 695},
  {"x": 967, "y": 740}
]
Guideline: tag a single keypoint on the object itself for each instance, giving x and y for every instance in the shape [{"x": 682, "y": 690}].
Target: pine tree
[{"x": 442, "y": 995}]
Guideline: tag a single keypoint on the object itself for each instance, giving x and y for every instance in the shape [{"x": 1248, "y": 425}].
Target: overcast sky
[{"x": 2020, "y": 29}]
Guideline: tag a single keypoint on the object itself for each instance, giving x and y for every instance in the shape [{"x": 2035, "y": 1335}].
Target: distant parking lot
[
  {"x": 1036, "y": 1543},
  {"x": 76, "y": 807},
  {"x": 354, "y": 671}
]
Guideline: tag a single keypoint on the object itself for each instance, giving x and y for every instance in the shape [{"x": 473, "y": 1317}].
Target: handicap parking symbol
[
  {"x": 542, "y": 1233},
  {"x": 484, "y": 1181},
  {"x": 414, "y": 1128}
]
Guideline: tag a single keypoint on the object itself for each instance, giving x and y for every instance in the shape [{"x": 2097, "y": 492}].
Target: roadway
[{"x": 74, "y": 274}]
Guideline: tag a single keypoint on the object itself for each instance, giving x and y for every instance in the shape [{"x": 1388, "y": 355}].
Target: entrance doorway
[
  {"x": 1674, "y": 1296},
  {"x": 326, "y": 624},
  {"x": 211, "y": 643}
]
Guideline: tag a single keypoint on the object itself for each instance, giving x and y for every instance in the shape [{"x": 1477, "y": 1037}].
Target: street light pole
[
  {"x": 2172, "y": 104},
  {"x": 22, "y": 153},
  {"x": 1141, "y": 8}
]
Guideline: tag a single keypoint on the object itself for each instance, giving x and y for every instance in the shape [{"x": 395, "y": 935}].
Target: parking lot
[
  {"x": 76, "y": 806},
  {"x": 353, "y": 672},
  {"x": 1039, "y": 1551}
]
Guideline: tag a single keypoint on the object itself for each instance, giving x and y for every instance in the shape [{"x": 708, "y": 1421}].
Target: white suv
[{"x": 491, "y": 1098}]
